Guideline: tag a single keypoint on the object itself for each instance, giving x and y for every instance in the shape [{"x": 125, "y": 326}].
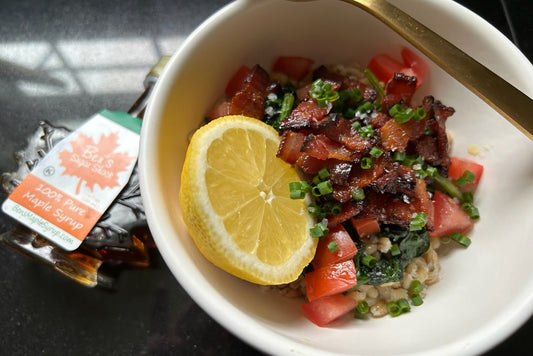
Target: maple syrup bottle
[{"x": 120, "y": 237}]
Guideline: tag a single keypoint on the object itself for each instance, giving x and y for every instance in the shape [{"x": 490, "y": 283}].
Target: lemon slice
[{"x": 235, "y": 202}]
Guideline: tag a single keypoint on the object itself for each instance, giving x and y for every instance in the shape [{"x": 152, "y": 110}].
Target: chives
[
  {"x": 404, "y": 306},
  {"x": 297, "y": 190},
  {"x": 374, "y": 82},
  {"x": 471, "y": 210},
  {"x": 461, "y": 239},
  {"x": 395, "y": 250},
  {"x": 416, "y": 299},
  {"x": 361, "y": 309},
  {"x": 399, "y": 156},
  {"x": 416, "y": 287},
  {"x": 366, "y": 163},
  {"x": 418, "y": 222},
  {"x": 323, "y": 93},
  {"x": 467, "y": 177},
  {"x": 322, "y": 188},
  {"x": 376, "y": 152},
  {"x": 333, "y": 247},
  {"x": 393, "y": 309},
  {"x": 319, "y": 230},
  {"x": 369, "y": 261},
  {"x": 358, "y": 194}
]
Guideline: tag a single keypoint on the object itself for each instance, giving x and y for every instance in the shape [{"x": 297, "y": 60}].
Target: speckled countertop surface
[{"x": 64, "y": 60}]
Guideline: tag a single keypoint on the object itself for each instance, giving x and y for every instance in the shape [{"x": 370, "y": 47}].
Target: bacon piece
[
  {"x": 249, "y": 100},
  {"x": 306, "y": 115},
  {"x": 348, "y": 211},
  {"x": 321, "y": 147},
  {"x": 289, "y": 147},
  {"x": 393, "y": 136},
  {"x": 389, "y": 209},
  {"x": 436, "y": 115},
  {"x": 360, "y": 177},
  {"x": 396, "y": 179},
  {"x": 402, "y": 86},
  {"x": 340, "y": 130}
]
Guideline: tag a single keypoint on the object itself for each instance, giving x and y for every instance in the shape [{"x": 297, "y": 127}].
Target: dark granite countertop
[{"x": 100, "y": 52}]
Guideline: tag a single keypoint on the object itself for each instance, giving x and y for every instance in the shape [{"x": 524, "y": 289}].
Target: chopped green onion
[
  {"x": 358, "y": 194},
  {"x": 323, "y": 173},
  {"x": 374, "y": 82},
  {"x": 416, "y": 287},
  {"x": 471, "y": 210},
  {"x": 319, "y": 230},
  {"x": 323, "y": 93},
  {"x": 366, "y": 163},
  {"x": 393, "y": 309},
  {"x": 399, "y": 156},
  {"x": 369, "y": 261},
  {"x": 298, "y": 190},
  {"x": 322, "y": 188},
  {"x": 419, "y": 114},
  {"x": 330, "y": 208},
  {"x": 416, "y": 299},
  {"x": 404, "y": 306},
  {"x": 332, "y": 246},
  {"x": 418, "y": 222},
  {"x": 286, "y": 106},
  {"x": 401, "y": 114},
  {"x": 356, "y": 125},
  {"x": 376, "y": 152},
  {"x": 467, "y": 177},
  {"x": 448, "y": 187},
  {"x": 366, "y": 131},
  {"x": 361, "y": 309},
  {"x": 461, "y": 239},
  {"x": 364, "y": 108},
  {"x": 445, "y": 240},
  {"x": 395, "y": 250},
  {"x": 468, "y": 197}
]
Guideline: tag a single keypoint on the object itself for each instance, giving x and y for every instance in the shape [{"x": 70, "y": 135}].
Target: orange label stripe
[{"x": 55, "y": 206}]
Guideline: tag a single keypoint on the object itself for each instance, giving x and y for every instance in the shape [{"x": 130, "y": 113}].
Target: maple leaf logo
[{"x": 95, "y": 163}]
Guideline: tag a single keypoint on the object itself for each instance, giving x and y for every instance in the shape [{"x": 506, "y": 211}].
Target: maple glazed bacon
[{"x": 385, "y": 192}]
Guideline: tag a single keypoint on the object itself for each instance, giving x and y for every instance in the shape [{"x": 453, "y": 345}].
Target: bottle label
[{"x": 67, "y": 192}]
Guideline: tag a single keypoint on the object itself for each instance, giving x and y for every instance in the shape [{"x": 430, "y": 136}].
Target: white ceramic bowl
[{"x": 485, "y": 292}]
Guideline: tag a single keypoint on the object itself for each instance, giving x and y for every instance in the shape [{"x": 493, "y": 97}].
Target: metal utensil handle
[{"x": 510, "y": 102}]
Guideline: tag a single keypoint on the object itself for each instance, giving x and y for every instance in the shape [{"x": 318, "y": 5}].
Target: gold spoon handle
[{"x": 510, "y": 102}]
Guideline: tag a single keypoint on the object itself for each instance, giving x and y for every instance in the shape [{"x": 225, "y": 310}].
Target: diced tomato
[
  {"x": 384, "y": 66},
  {"x": 417, "y": 64},
  {"x": 329, "y": 280},
  {"x": 293, "y": 67},
  {"x": 236, "y": 82},
  {"x": 459, "y": 165},
  {"x": 365, "y": 227},
  {"x": 327, "y": 309},
  {"x": 448, "y": 216},
  {"x": 344, "y": 244},
  {"x": 220, "y": 110}
]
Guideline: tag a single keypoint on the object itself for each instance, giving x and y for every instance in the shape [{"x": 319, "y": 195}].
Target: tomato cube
[
  {"x": 338, "y": 246},
  {"x": 295, "y": 68},
  {"x": 449, "y": 216},
  {"x": 327, "y": 309},
  {"x": 330, "y": 279},
  {"x": 458, "y": 166}
]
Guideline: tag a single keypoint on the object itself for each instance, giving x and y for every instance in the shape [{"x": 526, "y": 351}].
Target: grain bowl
[{"x": 484, "y": 293}]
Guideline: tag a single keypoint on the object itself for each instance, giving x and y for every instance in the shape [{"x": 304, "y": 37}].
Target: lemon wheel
[{"x": 235, "y": 202}]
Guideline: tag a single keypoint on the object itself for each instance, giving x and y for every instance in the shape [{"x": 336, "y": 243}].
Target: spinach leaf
[{"x": 390, "y": 268}]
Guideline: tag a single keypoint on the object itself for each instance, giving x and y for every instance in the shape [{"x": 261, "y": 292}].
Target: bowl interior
[{"x": 485, "y": 291}]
